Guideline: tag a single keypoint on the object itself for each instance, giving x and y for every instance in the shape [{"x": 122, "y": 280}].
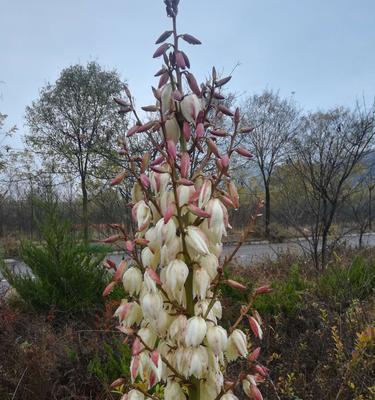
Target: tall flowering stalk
[{"x": 180, "y": 198}]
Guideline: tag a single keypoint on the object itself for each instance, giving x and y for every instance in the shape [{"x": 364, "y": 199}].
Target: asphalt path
[{"x": 247, "y": 255}]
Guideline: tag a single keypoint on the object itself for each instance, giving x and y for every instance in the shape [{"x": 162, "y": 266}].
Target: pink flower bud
[
  {"x": 163, "y": 80},
  {"x": 192, "y": 82},
  {"x": 185, "y": 164},
  {"x": 163, "y": 37},
  {"x": 108, "y": 289},
  {"x": 225, "y": 110},
  {"x": 235, "y": 285},
  {"x": 243, "y": 152},
  {"x": 263, "y": 289},
  {"x": 247, "y": 129},
  {"x": 212, "y": 146},
  {"x": 190, "y": 39},
  {"x": 199, "y": 131},
  {"x": 233, "y": 193},
  {"x": 129, "y": 245},
  {"x": 225, "y": 161},
  {"x": 219, "y": 132},
  {"x": 237, "y": 116},
  {"x": 113, "y": 239},
  {"x": 223, "y": 81},
  {"x": 161, "y": 50},
  {"x": 118, "y": 179},
  {"x": 254, "y": 354},
  {"x": 180, "y": 60}
]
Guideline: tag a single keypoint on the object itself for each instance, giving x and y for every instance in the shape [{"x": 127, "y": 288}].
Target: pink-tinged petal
[
  {"x": 257, "y": 395},
  {"x": 185, "y": 164},
  {"x": 198, "y": 211},
  {"x": 145, "y": 181},
  {"x": 171, "y": 149},
  {"x": 153, "y": 275},
  {"x": 134, "y": 367},
  {"x": 169, "y": 213},
  {"x": 223, "y": 81},
  {"x": 254, "y": 354},
  {"x": 157, "y": 161},
  {"x": 108, "y": 289},
  {"x": 255, "y": 327},
  {"x": 157, "y": 169},
  {"x": 145, "y": 161},
  {"x": 186, "y": 131},
  {"x": 136, "y": 347},
  {"x": 118, "y": 179},
  {"x": 119, "y": 271},
  {"x": 185, "y": 182},
  {"x": 263, "y": 371},
  {"x": 243, "y": 152},
  {"x": 190, "y": 39},
  {"x": 225, "y": 161},
  {"x": 155, "y": 357}
]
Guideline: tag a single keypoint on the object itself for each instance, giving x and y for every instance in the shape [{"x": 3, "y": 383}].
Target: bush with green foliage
[
  {"x": 341, "y": 284},
  {"x": 114, "y": 364},
  {"x": 286, "y": 295},
  {"x": 65, "y": 271}
]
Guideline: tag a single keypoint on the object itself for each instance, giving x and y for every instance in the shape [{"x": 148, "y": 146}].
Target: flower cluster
[{"x": 180, "y": 198}]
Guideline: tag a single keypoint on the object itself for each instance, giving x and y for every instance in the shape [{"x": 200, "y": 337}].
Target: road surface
[{"x": 248, "y": 254}]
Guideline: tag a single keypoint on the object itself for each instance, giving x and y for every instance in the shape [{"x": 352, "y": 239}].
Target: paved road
[{"x": 247, "y": 255}]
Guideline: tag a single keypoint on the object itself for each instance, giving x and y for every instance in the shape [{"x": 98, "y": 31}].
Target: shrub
[
  {"x": 286, "y": 295},
  {"x": 65, "y": 272},
  {"x": 341, "y": 285},
  {"x": 113, "y": 361}
]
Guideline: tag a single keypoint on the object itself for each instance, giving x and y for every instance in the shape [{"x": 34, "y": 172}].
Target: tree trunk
[
  {"x": 85, "y": 215},
  {"x": 370, "y": 208},
  {"x": 267, "y": 210}
]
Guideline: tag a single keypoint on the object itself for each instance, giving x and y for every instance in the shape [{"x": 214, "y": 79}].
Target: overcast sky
[{"x": 323, "y": 51}]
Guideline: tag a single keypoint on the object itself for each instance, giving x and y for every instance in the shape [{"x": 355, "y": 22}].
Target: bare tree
[
  {"x": 276, "y": 122},
  {"x": 325, "y": 155},
  {"x": 74, "y": 121}
]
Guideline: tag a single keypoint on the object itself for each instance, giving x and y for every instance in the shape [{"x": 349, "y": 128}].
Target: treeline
[{"x": 315, "y": 171}]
